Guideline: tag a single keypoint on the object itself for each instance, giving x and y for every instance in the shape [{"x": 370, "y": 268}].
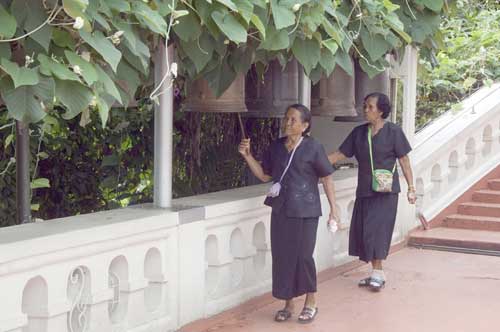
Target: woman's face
[
  {"x": 292, "y": 123},
  {"x": 371, "y": 110}
]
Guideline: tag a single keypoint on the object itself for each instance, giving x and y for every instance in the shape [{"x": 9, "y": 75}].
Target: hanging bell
[
  {"x": 365, "y": 85},
  {"x": 202, "y": 99},
  {"x": 271, "y": 97},
  {"x": 333, "y": 96}
]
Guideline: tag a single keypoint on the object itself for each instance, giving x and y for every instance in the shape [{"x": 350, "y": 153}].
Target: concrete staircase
[{"x": 472, "y": 226}]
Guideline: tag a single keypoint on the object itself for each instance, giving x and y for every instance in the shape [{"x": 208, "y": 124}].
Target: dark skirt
[
  {"x": 372, "y": 226},
  {"x": 292, "y": 246}
]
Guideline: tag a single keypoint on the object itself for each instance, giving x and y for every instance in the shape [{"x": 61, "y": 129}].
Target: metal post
[
  {"x": 163, "y": 127},
  {"x": 23, "y": 189},
  {"x": 304, "y": 88}
]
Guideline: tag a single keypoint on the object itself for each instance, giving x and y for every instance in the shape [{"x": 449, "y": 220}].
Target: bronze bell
[
  {"x": 270, "y": 98},
  {"x": 334, "y": 95},
  {"x": 364, "y": 85},
  {"x": 202, "y": 99}
]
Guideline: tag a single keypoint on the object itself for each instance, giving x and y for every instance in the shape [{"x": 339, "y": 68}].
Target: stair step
[
  {"x": 479, "y": 209},
  {"x": 486, "y": 196},
  {"x": 473, "y": 222},
  {"x": 494, "y": 184},
  {"x": 455, "y": 239}
]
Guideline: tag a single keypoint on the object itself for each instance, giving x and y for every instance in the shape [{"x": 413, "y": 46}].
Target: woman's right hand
[{"x": 244, "y": 147}]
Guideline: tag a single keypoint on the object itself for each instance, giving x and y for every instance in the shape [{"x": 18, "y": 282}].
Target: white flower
[
  {"x": 173, "y": 69},
  {"x": 28, "y": 60},
  {"x": 93, "y": 102},
  {"x": 77, "y": 70},
  {"x": 78, "y": 23},
  {"x": 296, "y": 7},
  {"x": 118, "y": 34}
]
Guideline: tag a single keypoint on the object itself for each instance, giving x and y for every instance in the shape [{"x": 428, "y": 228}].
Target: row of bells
[{"x": 339, "y": 95}]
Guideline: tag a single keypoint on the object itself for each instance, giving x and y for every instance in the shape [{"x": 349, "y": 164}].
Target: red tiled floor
[{"x": 427, "y": 291}]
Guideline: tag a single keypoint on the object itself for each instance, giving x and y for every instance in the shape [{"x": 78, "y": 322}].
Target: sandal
[
  {"x": 307, "y": 315},
  {"x": 282, "y": 315},
  {"x": 376, "y": 284},
  {"x": 364, "y": 282}
]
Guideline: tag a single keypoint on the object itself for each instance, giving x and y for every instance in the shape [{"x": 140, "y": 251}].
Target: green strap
[{"x": 371, "y": 152}]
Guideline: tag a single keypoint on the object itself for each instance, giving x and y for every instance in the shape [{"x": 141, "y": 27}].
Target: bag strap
[
  {"x": 291, "y": 157},
  {"x": 371, "y": 152}
]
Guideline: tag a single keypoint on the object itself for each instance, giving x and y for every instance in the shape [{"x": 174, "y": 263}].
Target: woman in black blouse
[
  {"x": 296, "y": 210},
  {"x": 374, "y": 213}
]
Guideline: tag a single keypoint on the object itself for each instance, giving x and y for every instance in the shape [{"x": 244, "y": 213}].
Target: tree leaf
[
  {"x": 230, "y": 26},
  {"x": 20, "y": 75},
  {"x": 393, "y": 21},
  {"x": 245, "y": 9},
  {"x": 75, "y": 96},
  {"x": 307, "y": 53},
  {"x": 63, "y": 38},
  {"x": 150, "y": 18},
  {"x": 8, "y": 140},
  {"x": 5, "y": 50},
  {"x": 89, "y": 73},
  {"x": 120, "y": 6},
  {"x": 283, "y": 16},
  {"x": 103, "y": 46},
  {"x": 188, "y": 28},
  {"x": 344, "y": 60},
  {"x": 327, "y": 61},
  {"x": 36, "y": 16},
  {"x": 276, "y": 40},
  {"x": 229, "y": 4},
  {"x": 8, "y": 25},
  {"x": 40, "y": 183},
  {"x": 199, "y": 52},
  {"x": 434, "y": 5},
  {"x": 104, "y": 104},
  {"x": 220, "y": 78},
  {"x": 259, "y": 25},
  {"x": 24, "y": 103},
  {"x": 331, "y": 45},
  {"x": 108, "y": 83},
  {"x": 75, "y": 8},
  {"x": 374, "y": 44},
  {"x": 49, "y": 67}
]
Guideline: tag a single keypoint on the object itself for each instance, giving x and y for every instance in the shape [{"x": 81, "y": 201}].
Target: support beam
[
  {"x": 23, "y": 188},
  {"x": 163, "y": 127},
  {"x": 304, "y": 88},
  {"x": 409, "y": 69}
]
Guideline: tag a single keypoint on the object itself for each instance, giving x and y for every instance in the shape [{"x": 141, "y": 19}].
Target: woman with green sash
[{"x": 377, "y": 146}]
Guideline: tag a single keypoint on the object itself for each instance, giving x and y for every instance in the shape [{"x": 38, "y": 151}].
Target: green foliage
[{"x": 467, "y": 61}]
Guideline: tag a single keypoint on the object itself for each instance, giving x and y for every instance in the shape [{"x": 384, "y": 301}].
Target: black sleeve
[
  {"x": 347, "y": 147},
  {"x": 267, "y": 166},
  {"x": 321, "y": 164},
  {"x": 401, "y": 145}
]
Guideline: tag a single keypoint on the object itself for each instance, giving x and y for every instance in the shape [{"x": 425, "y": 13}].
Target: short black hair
[
  {"x": 305, "y": 116},
  {"x": 383, "y": 103}
]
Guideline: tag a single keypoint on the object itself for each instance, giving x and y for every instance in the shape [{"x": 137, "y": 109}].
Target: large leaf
[
  {"x": 74, "y": 96},
  {"x": 344, "y": 60},
  {"x": 200, "y": 52},
  {"x": 327, "y": 61},
  {"x": 63, "y": 38},
  {"x": 188, "y": 28},
  {"x": 121, "y": 6},
  {"x": 434, "y": 5},
  {"x": 20, "y": 75},
  {"x": 8, "y": 24},
  {"x": 104, "y": 103},
  {"x": 108, "y": 84},
  {"x": 136, "y": 45},
  {"x": 283, "y": 16},
  {"x": 220, "y": 78},
  {"x": 103, "y": 46},
  {"x": 128, "y": 78},
  {"x": 245, "y": 9},
  {"x": 150, "y": 18},
  {"x": 259, "y": 25},
  {"x": 36, "y": 16},
  {"x": 229, "y": 4},
  {"x": 50, "y": 67},
  {"x": 393, "y": 21},
  {"x": 307, "y": 53},
  {"x": 230, "y": 26},
  {"x": 374, "y": 44},
  {"x": 5, "y": 50},
  {"x": 275, "y": 40},
  {"x": 89, "y": 73},
  {"x": 75, "y": 8},
  {"x": 331, "y": 45},
  {"x": 24, "y": 103}
]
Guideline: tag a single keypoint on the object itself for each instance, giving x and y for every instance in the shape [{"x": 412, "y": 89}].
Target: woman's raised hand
[{"x": 244, "y": 147}]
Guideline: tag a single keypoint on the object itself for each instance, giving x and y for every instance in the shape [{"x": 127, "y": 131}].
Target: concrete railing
[
  {"x": 456, "y": 150},
  {"x": 147, "y": 269}
]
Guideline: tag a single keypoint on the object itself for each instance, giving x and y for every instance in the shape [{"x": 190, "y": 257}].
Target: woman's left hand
[{"x": 334, "y": 219}]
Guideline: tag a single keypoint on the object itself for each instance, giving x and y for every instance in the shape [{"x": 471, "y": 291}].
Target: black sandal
[
  {"x": 282, "y": 315},
  {"x": 364, "y": 282},
  {"x": 377, "y": 284},
  {"x": 309, "y": 314}
]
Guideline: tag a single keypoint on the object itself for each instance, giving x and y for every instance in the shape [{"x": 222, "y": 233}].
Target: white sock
[{"x": 378, "y": 274}]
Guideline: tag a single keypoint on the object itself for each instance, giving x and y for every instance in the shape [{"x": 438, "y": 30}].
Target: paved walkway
[{"x": 427, "y": 291}]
